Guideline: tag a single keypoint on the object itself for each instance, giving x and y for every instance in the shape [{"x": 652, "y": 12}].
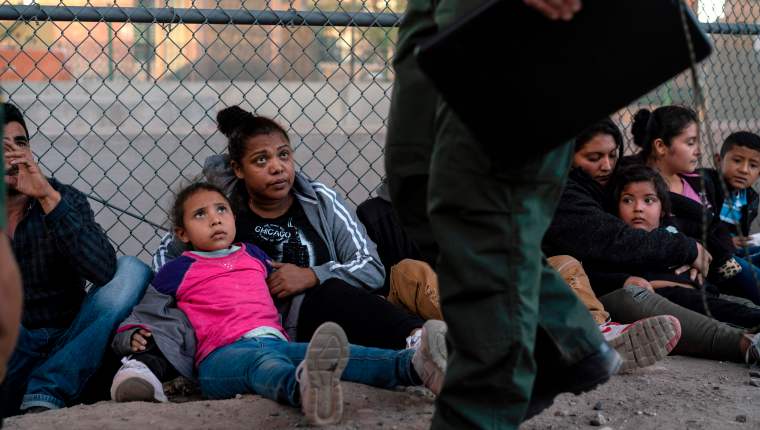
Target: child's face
[
  {"x": 684, "y": 152},
  {"x": 267, "y": 167},
  {"x": 740, "y": 167},
  {"x": 639, "y": 206},
  {"x": 598, "y": 157},
  {"x": 209, "y": 223}
]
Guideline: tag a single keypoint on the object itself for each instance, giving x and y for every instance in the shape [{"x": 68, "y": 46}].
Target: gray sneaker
[
  {"x": 643, "y": 342},
  {"x": 319, "y": 374},
  {"x": 429, "y": 360}
]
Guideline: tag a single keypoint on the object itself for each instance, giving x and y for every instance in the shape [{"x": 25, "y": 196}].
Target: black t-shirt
[{"x": 289, "y": 238}]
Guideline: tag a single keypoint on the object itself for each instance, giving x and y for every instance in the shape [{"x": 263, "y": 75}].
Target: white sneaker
[
  {"x": 643, "y": 342},
  {"x": 319, "y": 373},
  {"x": 429, "y": 360},
  {"x": 134, "y": 382}
]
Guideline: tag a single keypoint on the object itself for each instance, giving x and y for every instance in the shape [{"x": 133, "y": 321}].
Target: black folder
[{"x": 524, "y": 84}]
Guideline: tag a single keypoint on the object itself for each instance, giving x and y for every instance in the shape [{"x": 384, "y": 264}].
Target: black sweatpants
[
  {"x": 367, "y": 319},
  {"x": 723, "y": 310}
]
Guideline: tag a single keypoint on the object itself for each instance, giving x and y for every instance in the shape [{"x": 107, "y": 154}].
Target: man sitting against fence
[{"x": 65, "y": 327}]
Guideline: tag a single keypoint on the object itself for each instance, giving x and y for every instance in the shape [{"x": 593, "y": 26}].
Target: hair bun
[
  {"x": 230, "y": 118},
  {"x": 640, "y": 126}
]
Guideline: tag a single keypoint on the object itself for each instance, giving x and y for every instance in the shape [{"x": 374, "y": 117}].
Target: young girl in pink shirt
[{"x": 241, "y": 345}]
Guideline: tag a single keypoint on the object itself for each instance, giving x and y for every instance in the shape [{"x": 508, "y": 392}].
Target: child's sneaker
[
  {"x": 429, "y": 360},
  {"x": 134, "y": 382},
  {"x": 643, "y": 342},
  {"x": 319, "y": 374}
]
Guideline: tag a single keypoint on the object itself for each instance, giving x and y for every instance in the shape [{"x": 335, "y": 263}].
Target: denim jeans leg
[
  {"x": 750, "y": 253},
  {"x": 31, "y": 350},
  {"x": 250, "y": 366},
  {"x": 753, "y": 255},
  {"x": 746, "y": 282},
  {"x": 384, "y": 368},
  {"x": 77, "y": 355}
]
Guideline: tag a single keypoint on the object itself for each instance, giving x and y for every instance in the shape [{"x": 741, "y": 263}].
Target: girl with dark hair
[
  {"x": 325, "y": 265},
  {"x": 669, "y": 141}
]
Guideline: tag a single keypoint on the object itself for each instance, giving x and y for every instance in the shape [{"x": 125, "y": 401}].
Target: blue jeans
[
  {"x": 267, "y": 367},
  {"x": 745, "y": 284},
  {"x": 751, "y": 254},
  {"x": 51, "y": 366}
]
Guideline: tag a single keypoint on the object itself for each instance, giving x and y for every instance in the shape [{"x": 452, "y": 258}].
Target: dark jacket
[
  {"x": 749, "y": 212},
  {"x": 690, "y": 217},
  {"x": 607, "y": 279},
  {"x": 57, "y": 253},
  {"x": 583, "y": 228}
]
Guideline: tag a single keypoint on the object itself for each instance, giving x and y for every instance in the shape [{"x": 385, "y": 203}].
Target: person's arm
[
  {"x": 719, "y": 241},
  {"x": 720, "y": 244},
  {"x": 153, "y": 306},
  {"x": 582, "y": 228},
  {"x": 750, "y": 211},
  {"x": 68, "y": 218},
  {"x": 357, "y": 261},
  {"x": 80, "y": 238},
  {"x": 10, "y": 301}
]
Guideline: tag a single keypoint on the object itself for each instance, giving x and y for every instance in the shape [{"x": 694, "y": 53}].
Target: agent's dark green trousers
[{"x": 484, "y": 222}]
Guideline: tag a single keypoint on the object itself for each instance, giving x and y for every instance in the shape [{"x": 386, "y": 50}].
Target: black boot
[{"x": 585, "y": 375}]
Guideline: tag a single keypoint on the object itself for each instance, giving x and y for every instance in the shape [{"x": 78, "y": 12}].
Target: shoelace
[
  {"x": 128, "y": 363},
  {"x": 413, "y": 341}
]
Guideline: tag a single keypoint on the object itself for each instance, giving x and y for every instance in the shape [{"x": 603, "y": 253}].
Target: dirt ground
[{"x": 677, "y": 393}]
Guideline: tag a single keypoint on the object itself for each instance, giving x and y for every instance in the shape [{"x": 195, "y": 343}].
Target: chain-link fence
[{"x": 120, "y": 97}]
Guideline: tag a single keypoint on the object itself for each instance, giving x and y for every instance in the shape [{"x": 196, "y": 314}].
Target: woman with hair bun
[{"x": 326, "y": 266}]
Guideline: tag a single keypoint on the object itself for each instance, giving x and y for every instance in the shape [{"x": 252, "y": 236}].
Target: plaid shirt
[{"x": 56, "y": 253}]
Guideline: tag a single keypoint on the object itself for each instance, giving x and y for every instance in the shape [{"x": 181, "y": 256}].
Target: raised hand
[{"x": 28, "y": 178}]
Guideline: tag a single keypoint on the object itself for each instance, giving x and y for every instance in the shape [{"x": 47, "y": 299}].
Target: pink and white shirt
[{"x": 224, "y": 297}]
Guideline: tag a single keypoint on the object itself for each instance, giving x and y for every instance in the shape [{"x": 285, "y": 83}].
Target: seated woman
[
  {"x": 324, "y": 263},
  {"x": 583, "y": 227},
  {"x": 241, "y": 345},
  {"x": 643, "y": 203},
  {"x": 669, "y": 143}
]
